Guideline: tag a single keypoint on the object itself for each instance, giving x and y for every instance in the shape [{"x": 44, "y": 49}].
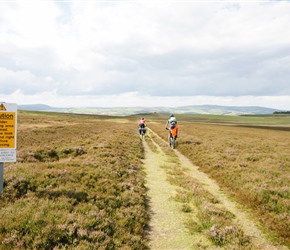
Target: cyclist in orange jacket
[{"x": 173, "y": 128}]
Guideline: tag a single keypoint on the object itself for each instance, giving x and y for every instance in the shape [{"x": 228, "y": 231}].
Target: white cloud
[
  {"x": 133, "y": 99},
  {"x": 158, "y": 50}
]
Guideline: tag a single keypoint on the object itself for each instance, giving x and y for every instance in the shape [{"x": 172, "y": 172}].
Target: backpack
[{"x": 172, "y": 124}]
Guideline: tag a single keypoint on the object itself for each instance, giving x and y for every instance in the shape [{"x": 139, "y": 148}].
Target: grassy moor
[
  {"x": 249, "y": 157},
  {"x": 77, "y": 184},
  {"x": 80, "y": 181}
]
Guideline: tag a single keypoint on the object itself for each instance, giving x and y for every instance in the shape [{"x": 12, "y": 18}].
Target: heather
[{"x": 77, "y": 183}]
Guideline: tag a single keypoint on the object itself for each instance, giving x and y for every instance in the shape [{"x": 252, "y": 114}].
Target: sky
[{"x": 145, "y": 53}]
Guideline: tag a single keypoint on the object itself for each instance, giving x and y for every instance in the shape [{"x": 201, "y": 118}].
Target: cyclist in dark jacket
[{"x": 142, "y": 125}]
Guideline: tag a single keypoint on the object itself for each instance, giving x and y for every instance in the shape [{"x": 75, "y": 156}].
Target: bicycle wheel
[
  {"x": 142, "y": 134},
  {"x": 172, "y": 142}
]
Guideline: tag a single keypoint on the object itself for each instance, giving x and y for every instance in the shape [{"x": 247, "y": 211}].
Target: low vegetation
[
  {"x": 77, "y": 184},
  {"x": 208, "y": 220},
  {"x": 251, "y": 163}
]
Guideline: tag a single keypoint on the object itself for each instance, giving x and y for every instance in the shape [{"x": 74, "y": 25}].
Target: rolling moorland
[
  {"x": 192, "y": 109},
  {"x": 80, "y": 181}
]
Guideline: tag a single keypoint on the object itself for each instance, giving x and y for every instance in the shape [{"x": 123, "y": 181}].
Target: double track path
[{"x": 167, "y": 228}]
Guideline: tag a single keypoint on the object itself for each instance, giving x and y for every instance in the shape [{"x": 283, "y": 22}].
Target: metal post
[{"x": 1, "y": 176}]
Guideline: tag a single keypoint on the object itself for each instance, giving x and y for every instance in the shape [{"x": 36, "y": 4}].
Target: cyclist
[
  {"x": 173, "y": 128},
  {"x": 142, "y": 125}
]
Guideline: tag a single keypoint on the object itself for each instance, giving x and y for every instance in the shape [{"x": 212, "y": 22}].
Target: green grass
[{"x": 207, "y": 217}]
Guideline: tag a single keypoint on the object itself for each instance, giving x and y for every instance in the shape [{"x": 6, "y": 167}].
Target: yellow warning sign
[
  {"x": 2, "y": 107},
  {"x": 8, "y": 126},
  {"x": 7, "y": 130}
]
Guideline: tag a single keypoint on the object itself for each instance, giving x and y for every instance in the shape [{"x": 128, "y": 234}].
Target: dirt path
[
  {"x": 167, "y": 222},
  {"x": 167, "y": 230}
]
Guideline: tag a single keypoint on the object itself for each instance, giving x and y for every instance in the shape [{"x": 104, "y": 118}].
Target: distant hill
[
  {"x": 192, "y": 109},
  {"x": 36, "y": 107}
]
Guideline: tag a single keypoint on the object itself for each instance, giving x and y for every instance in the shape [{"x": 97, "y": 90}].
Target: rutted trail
[
  {"x": 167, "y": 222},
  {"x": 167, "y": 230}
]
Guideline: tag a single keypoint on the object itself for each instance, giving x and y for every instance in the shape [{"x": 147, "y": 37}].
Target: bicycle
[
  {"x": 172, "y": 140},
  {"x": 142, "y": 133}
]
